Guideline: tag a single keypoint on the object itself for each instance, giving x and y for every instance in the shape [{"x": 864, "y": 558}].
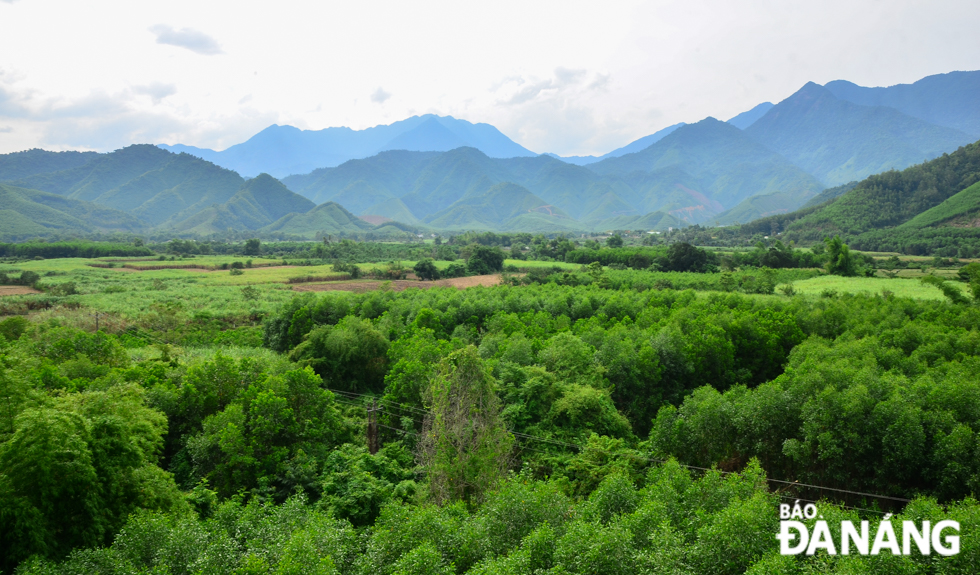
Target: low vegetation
[{"x": 578, "y": 418}]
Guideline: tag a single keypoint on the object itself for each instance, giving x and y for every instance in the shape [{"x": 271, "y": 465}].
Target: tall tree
[
  {"x": 465, "y": 446},
  {"x": 839, "y": 259}
]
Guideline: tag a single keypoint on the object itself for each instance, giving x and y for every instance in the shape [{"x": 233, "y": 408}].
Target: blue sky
[{"x": 565, "y": 77}]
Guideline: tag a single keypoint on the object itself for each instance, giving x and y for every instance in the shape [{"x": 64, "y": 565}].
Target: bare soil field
[
  {"x": 361, "y": 286},
  {"x": 16, "y": 290}
]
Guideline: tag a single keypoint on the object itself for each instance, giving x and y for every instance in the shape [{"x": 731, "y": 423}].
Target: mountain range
[
  {"x": 144, "y": 189},
  {"x": 285, "y": 150},
  {"x": 839, "y": 141},
  {"x": 693, "y": 175},
  {"x": 440, "y": 173}
]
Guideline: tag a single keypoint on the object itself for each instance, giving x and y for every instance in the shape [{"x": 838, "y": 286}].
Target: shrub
[
  {"x": 13, "y": 327},
  {"x": 425, "y": 269},
  {"x": 28, "y": 278}
]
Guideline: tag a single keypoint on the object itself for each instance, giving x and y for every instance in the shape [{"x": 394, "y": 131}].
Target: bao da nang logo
[{"x": 795, "y": 537}]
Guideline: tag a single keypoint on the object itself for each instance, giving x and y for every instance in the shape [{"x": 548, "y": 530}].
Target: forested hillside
[
  {"x": 867, "y": 214},
  {"x": 30, "y": 162},
  {"x": 146, "y": 190},
  {"x": 29, "y": 213}
]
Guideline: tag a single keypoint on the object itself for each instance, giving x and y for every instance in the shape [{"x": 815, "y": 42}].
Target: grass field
[{"x": 901, "y": 287}]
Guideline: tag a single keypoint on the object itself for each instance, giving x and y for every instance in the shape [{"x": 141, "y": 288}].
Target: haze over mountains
[
  {"x": 440, "y": 173},
  {"x": 285, "y": 150}
]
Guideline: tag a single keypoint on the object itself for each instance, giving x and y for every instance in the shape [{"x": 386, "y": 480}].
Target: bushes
[
  {"x": 671, "y": 522},
  {"x": 26, "y": 278},
  {"x": 426, "y": 270},
  {"x": 484, "y": 260},
  {"x": 13, "y": 327},
  {"x": 73, "y": 249},
  {"x": 351, "y": 355}
]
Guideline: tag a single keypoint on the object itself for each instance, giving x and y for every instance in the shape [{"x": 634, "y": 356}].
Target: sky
[{"x": 567, "y": 77}]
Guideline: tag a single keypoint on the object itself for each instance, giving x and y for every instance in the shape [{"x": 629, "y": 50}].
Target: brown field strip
[{"x": 16, "y": 290}]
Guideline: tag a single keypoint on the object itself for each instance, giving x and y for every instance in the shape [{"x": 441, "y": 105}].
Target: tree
[
  {"x": 426, "y": 269},
  {"x": 839, "y": 259},
  {"x": 683, "y": 257},
  {"x": 615, "y": 241},
  {"x": 464, "y": 447},
  {"x": 272, "y": 438},
  {"x": 949, "y": 289},
  {"x": 970, "y": 273},
  {"x": 485, "y": 260},
  {"x": 253, "y": 247},
  {"x": 351, "y": 355}
]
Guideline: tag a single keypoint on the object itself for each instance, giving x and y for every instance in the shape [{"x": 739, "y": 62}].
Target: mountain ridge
[
  {"x": 283, "y": 151},
  {"x": 838, "y": 141}
]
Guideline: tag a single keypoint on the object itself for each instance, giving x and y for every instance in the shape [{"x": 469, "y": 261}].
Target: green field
[{"x": 900, "y": 287}]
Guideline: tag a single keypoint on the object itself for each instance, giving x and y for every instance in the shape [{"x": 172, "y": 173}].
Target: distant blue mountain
[
  {"x": 631, "y": 148},
  {"x": 839, "y": 141},
  {"x": 949, "y": 100},
  {"x": 285, "y": 150},
  {"x": 746, "y": 119}
]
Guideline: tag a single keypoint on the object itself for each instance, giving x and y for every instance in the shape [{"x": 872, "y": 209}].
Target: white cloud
[
  {"x": 194, "y": 40},
  {"x": 563, "y": 77},
  {"x": 157, "y": 91},
  {"x": 379, "y": 96},
  {"x": 105, "y": 121}
]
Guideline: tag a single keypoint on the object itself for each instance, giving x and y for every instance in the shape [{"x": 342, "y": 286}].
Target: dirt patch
[
  {"x": 17, "y": 290},
  {"x": 361, "y": 286}
]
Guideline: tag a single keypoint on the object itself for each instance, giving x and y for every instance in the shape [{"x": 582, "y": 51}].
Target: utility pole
[{"x": 372, "y": 427}]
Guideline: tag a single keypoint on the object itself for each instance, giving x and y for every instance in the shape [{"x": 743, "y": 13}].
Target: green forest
[{"x": 606, "y": 408}]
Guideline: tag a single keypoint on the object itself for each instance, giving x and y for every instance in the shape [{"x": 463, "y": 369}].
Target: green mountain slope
[
  {"x": 450, "y": 177},
  {"x": 389, "y": 174},
  {"x": 839, "y": 141},
  {"x": 578, "y": 191},
  {"x": 829, "y": 194},
  {"x": 658, "y": 221},
  {"x": 89, "y": 181},
  {"x": 961, "y": 207},
  {"x": 260, "y": 202},
  {"x": 718, "y": 162},
  {"x": 496, "y": 208},
  {"x": 393, "y": 209},
  {"x": 890, "y": 199},
  {"x": 27, "y": 213},
  {"x": 759, "y": 207},
  {"x": 416, "y": 187},
  {"x": 328, "y": 218},
  {"x": 29, "y": 163},
  {"x": 182, "y": 187}
]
